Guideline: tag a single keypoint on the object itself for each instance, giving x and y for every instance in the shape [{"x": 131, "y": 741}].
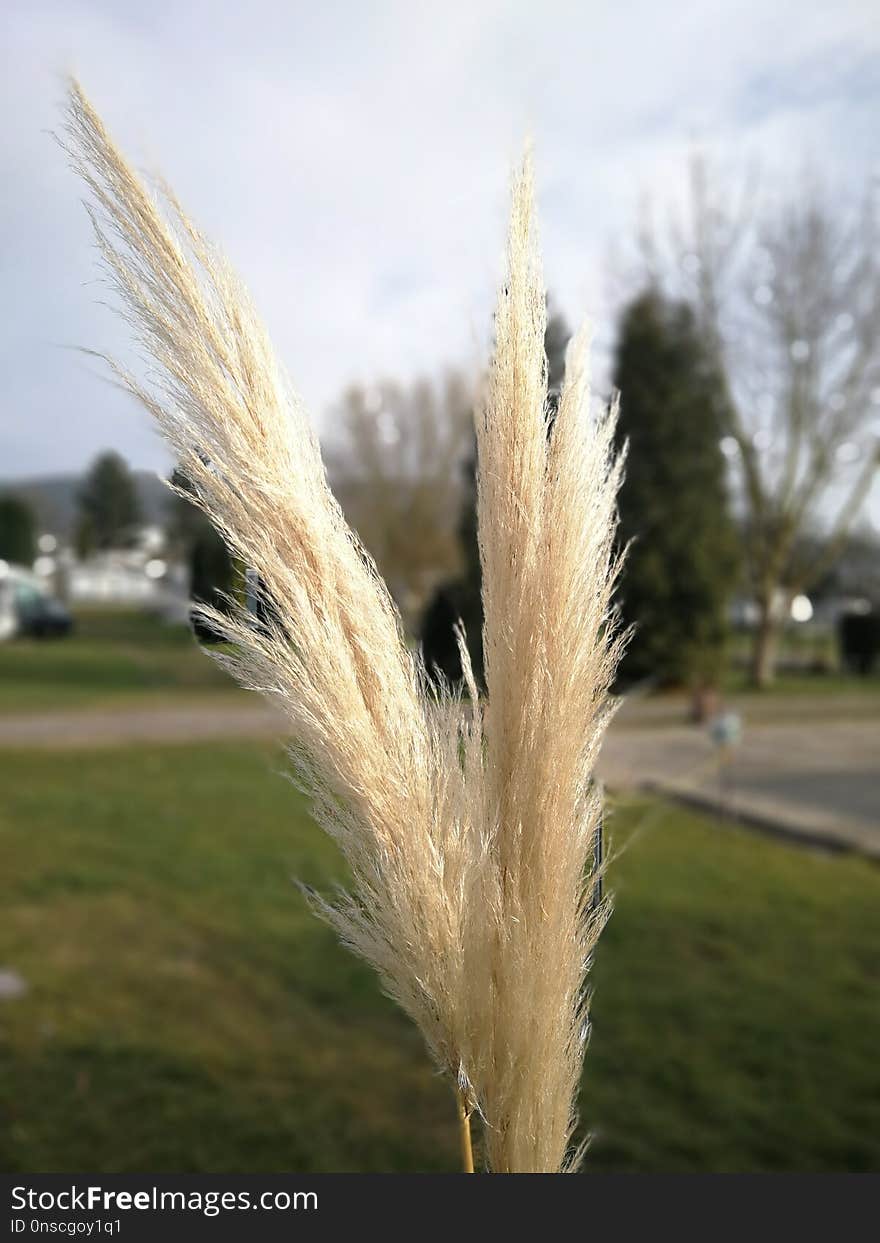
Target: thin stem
[{"x": 464, "y": 1134}]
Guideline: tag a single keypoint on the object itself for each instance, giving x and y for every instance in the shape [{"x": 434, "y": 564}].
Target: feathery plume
[{"x": 468, "y": 827}]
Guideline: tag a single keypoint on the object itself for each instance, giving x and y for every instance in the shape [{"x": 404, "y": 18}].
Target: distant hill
[{"x": 54, "y": 499}]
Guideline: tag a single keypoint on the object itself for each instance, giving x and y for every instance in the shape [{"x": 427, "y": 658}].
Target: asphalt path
[{"x": 810, "y": 774}]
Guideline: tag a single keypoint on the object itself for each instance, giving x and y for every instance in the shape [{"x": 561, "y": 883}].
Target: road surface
[{"x": 810, "y": 774}]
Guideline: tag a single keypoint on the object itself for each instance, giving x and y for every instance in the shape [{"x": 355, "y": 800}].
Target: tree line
[{"x": 749, "y": 368}]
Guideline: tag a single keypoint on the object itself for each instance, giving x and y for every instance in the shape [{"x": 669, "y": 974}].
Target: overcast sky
[{"x": 353, "y": 161}]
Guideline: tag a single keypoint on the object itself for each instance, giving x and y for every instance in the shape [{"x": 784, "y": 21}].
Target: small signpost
[{"x": 725, "y": 730}]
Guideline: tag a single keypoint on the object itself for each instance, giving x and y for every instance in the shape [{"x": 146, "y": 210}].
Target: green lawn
[
  {"x": 186, "y": 1012},
  {"x": 808, "y": 663},
  {"x": 111, "y": 657},
  {"x": 788, "y": 683},
  {"x": 119, "y": 657}
]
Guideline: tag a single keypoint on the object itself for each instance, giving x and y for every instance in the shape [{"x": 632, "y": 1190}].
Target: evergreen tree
[
  {"x": 212, "y": 576},
  {"x": 17, "y": 537},
  {"x": 681, "y": 564},
  {"x": 211, "y": 568},
  {"x": 557, "y": 335},
  {"x": 108, "y": 505}
]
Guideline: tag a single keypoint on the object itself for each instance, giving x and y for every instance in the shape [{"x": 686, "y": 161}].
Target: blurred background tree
[
  {"x": 394, "y": 461},
  {"x": 787, "y": 294},
  {"x": 681, "y": 566},
  {"x": 460, "y": 598},
  {"x": 108, "y": 505},
  {"x": 855, "y": 573},
  {"x": 193, "y": 539},
  {"x": 18, "y": 542}
]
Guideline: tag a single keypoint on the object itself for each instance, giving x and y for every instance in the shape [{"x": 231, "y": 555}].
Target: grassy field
[
  {"x": 802, "y": 684},
  {"x": 112, "y": 657},
  {"x": 120, "y": 658},
  {"x": 185, "y": 1012}
]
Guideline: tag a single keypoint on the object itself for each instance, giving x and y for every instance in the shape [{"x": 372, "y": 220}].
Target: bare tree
[
  {"x": 395, "y": 459},
  {"x": 788, "y": 294}
]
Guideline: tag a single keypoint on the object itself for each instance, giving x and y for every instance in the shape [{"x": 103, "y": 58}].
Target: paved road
[
  {"x": 815, "y": 779},
  {"x": 247, "y": 717},
  {"x": 814, "y": 776}
]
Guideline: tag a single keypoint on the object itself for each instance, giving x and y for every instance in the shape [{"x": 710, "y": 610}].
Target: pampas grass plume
[{"x": 468, "y": 826}]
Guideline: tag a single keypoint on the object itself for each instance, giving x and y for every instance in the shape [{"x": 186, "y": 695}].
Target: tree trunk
[
  {"x": 764, "y": 647},
  {"x": 704, "y": 703}
]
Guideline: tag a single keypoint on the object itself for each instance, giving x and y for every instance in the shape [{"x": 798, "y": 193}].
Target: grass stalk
[
  {"x": 464, "y": 1132},
  {"x": 469, "y": 829}
]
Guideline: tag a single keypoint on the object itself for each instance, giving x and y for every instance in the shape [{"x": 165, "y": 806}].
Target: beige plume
[{"x": 468, "y": 826}]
